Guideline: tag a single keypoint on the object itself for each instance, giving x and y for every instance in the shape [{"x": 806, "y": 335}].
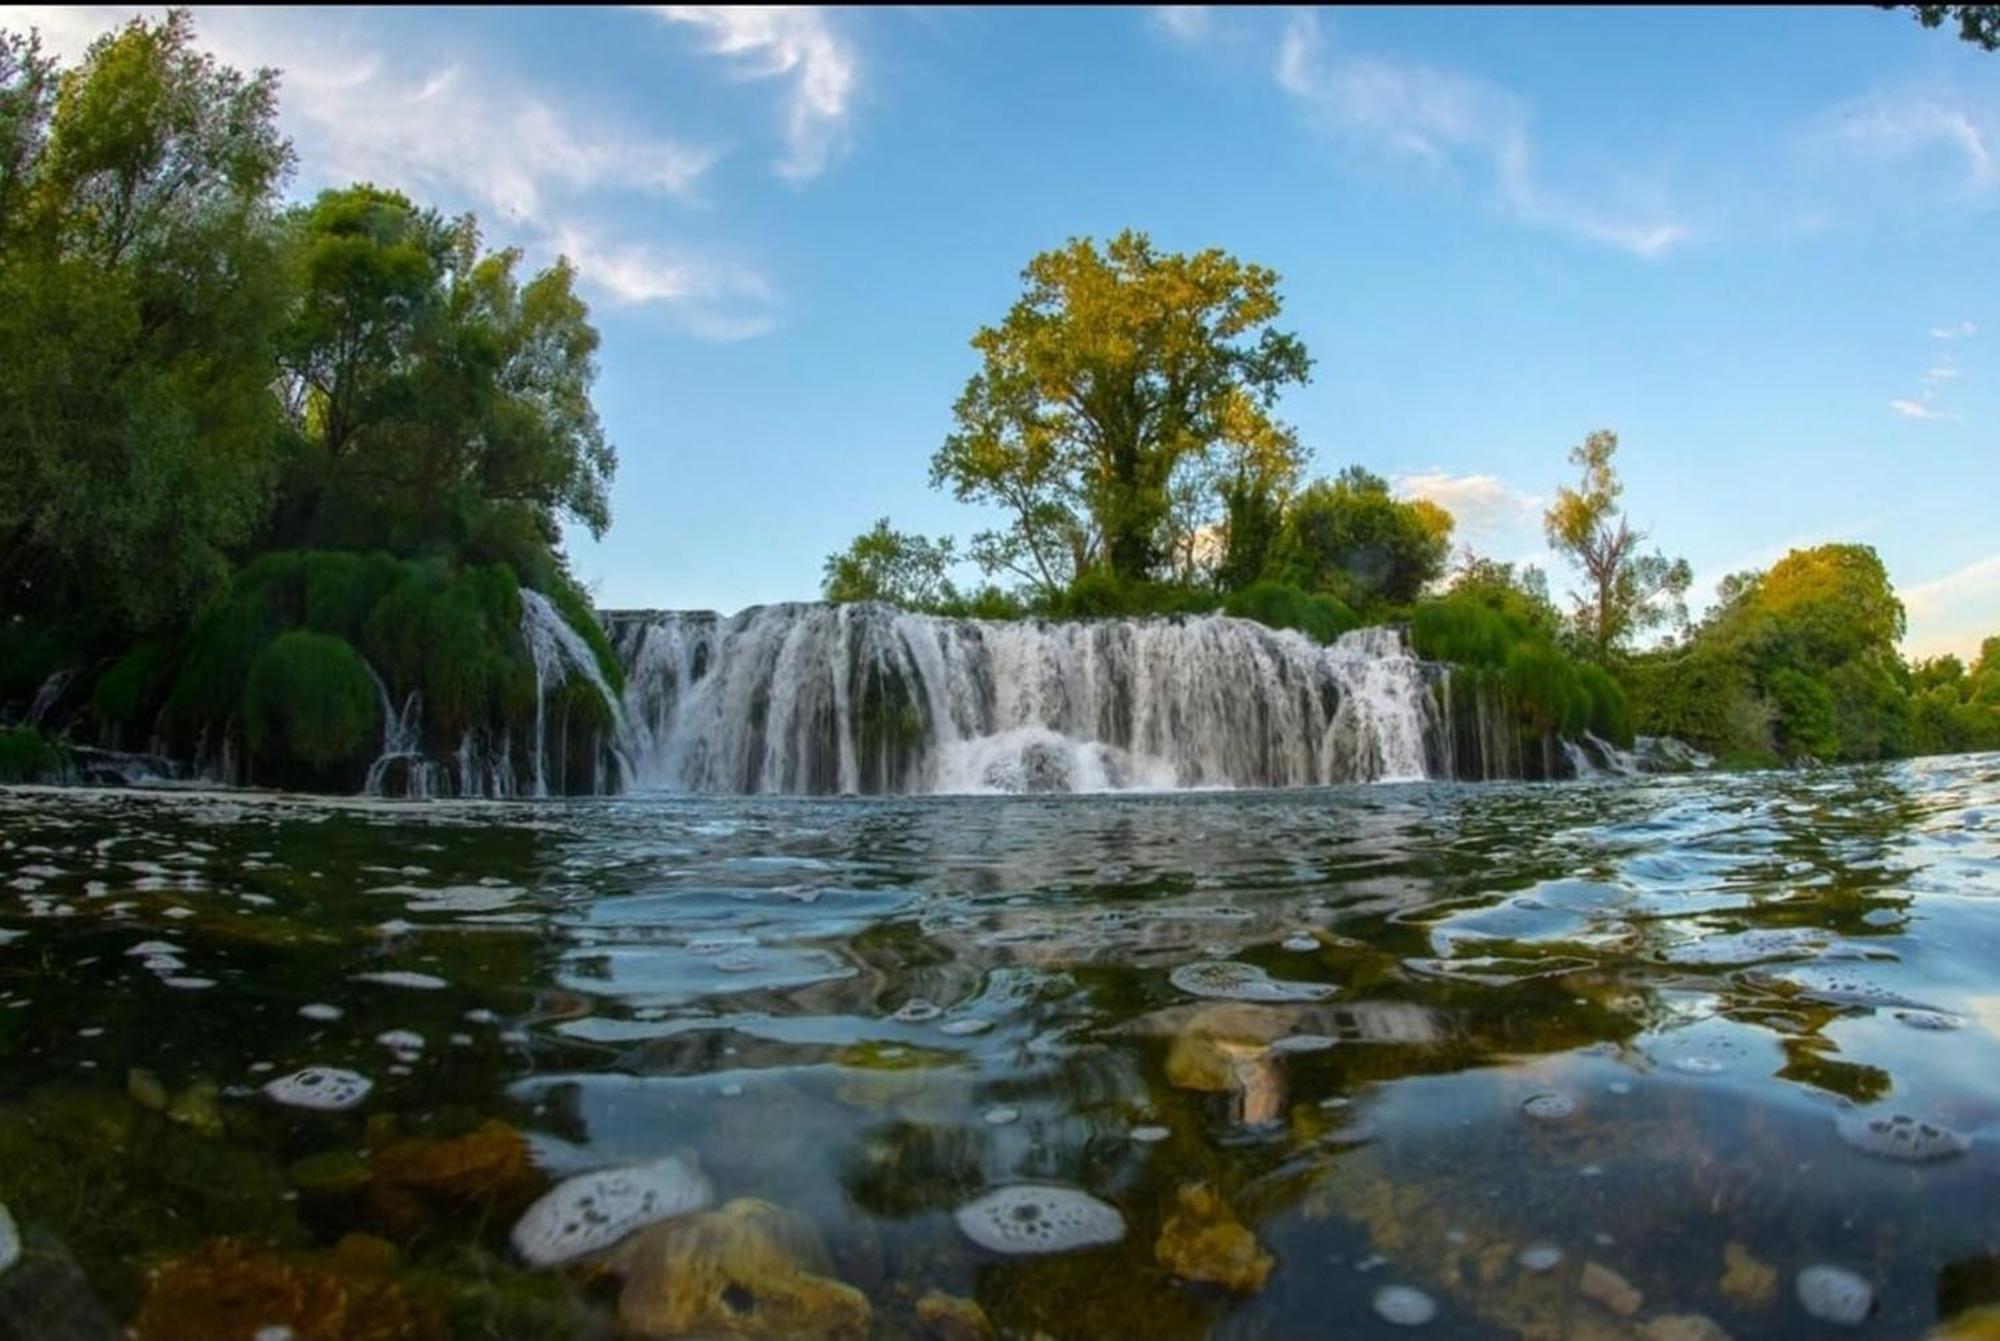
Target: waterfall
[
  {"x": 868, "y": 698},
  {"x": 558, "y": 651},
  {"x": 402, "y": 743}
]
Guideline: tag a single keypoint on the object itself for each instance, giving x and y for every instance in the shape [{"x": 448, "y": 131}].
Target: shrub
[
  {"x": 26, "y": 755},
  {"x": 1284, "y": 606},
  {"x": 120, "y": 696},
  {"x": 309, "y": 698}
]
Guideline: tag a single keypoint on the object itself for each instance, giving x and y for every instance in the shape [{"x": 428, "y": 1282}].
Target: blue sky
[{"x": 1757, "y": 244}]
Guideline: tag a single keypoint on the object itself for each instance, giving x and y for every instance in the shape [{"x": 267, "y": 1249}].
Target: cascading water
[
  {"x": 559, "y": 651},
  {"x": 867, "y": 698}
]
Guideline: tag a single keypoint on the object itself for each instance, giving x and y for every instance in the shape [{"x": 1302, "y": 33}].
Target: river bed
[{"x": 1627, "y": 1058}]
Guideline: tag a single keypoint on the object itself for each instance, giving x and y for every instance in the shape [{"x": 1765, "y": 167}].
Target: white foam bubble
[
  {"x": 1836, "y": 1295},
  {"x": 1404, "y": 1306},
  {"x": 592, "y": 1211},
  {"x": 1039, "y": 1218},
  {"x": 423, "y": 982},
  {"x": 1900, "y": 1136},
  {"x": 1229, "y": 980},
  {"x": 328, "y": 1089}
]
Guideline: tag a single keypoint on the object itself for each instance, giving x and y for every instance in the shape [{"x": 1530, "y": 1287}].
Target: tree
[
  {"x": 429, "y": 386},
  {"x": 1628, "y": 591},
  {"x": 1353, "y": 538},
  {"x": 139, "y": 294},
  {"x": 886, "y": 565},
  {"x": 1832, "y": 604},
  {"x": 1976, "y": 23},
  {"x": 1116, "y": 375}
]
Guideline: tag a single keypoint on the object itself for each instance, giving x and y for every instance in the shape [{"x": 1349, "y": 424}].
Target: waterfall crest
[{"x": 869, "y": 698}]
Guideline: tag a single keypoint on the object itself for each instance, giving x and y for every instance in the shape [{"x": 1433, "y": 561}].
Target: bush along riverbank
[{"x": 345, "y": 672}]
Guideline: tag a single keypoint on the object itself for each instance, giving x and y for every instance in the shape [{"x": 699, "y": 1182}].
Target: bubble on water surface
[
  {"x": 1002, "y": 1116},
  {"x": 1232, "y": 981},
  {"x": 402, "y": 1040},
  {"x": 320, "y": 1010},
  {"x": 1697, "y": 1066},
  {"x": 973, "y": 1024},
  {"x": 1404, "y": 1306},
  {"x": 423, "y": 982},
  {"x": 1900, "y": 1136},
  {"x": 1550, "y": 1107},
  {"x": 1301, "y": 943},
  {"x": 1930, "y": 1021},
  {"x": 917, "y": 1010},
  {"x": 1836, "y": 1295},
  {"x": 1539, "y": 1257},
  {"x": 1294, "y": 1043},
  {"x": 1039, "y": 1218},
  {"x": 327, "y": 1089},
  {"x": 1150, "y": 1135},
  {"x": 581, "y": 1215},
  {"x": 10, "y": 1239}
]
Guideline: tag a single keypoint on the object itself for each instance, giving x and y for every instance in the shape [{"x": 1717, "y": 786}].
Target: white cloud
[
  {"x": 459, "y": 137},
  {"x": 795, "y": 43},
  {"x": 1954, "y": 612},
  {"x": 714, "y": 298},
  {"x": 1486, "y": 508},
  {"x": 1963, "y": 330},
  {"x": 1454, "y": 123},
  {"x": 1915, "y": 409},
  {"x": 1185, "y": 23},
  {"x": 1902, "y": 126}
]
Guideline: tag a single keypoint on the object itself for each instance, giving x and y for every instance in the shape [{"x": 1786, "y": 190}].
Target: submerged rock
[
  {"x": 1836, "y": 1295},
  {"x": 948, "y": 1318},
  {"x": 1539, "y": 1257},
  {"x": 593, "y": 1211},
  {"x": 489, "y": 1161},
  {"x": 1039, "y": 1218},
  {"x": 1684, "y": 1327},
  {"x": 1900, "y": 1136},
  {"x": 229, "y": 1288},
  {"x": 750, "y": 1269},
  {"x": 1229, "y": 980},
  {"x": 1203, "y": 1241},
  {"x": 1610, "y": 1289},
  {"x": 1746, "y": 1280},
  {"x": 43, "y": 1293}
]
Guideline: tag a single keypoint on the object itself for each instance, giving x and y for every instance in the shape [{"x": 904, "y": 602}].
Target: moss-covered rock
[
  {"x": 230, "y": 1288},
  {"x": 750, "y": 1269}
]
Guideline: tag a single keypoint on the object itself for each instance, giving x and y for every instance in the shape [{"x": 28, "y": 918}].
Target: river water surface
[{"x": 1611, "y": 1059}]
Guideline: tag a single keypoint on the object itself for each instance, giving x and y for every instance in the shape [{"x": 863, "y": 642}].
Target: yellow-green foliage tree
[
  {"x": 1626, "y": 590},
  {"x": 1124, "y": 380}
]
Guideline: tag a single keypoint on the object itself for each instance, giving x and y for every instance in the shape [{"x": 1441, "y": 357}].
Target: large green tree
[
  {"x": 1120, "y": 373},
  {"x": 1627, "y": 590},
  {"x": 139, "y": 293},
  {"x": 1978, "y": 24},
  {"x": 884, "y": 564},
  {"x": 1351, "y": 537},
  {"x": 429, "y": 386}
]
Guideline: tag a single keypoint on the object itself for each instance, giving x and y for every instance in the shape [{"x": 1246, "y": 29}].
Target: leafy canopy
[
  {"x": 886, "y": 565},
  {"x": 1626, "y": 590},
  {"x": 1110, "y": 401}
]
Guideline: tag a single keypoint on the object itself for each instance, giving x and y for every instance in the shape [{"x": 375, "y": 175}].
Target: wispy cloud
[
  {"x": 1954, "y": 612},
  {"x": 459, "y": 136},
  {"x": 1897, "y": 126},
  {"x": 1185, "y": 23},
  {"x": 799, "y": 45},
  {"x": 1487, "y": 509},
  {"x": 1934, "y": 379},
  {"x": 1455, "y": 123},
  {"x": 713, "y": 297}
]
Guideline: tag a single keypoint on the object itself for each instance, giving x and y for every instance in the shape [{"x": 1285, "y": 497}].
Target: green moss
[
  {"x": 26, "y": 755},
  {"x": 1283, "y": 606},
  {"x": 122, "y": 694},
  {"x": 309, "y": 698},
  {"x": 341, "y": 588}
]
